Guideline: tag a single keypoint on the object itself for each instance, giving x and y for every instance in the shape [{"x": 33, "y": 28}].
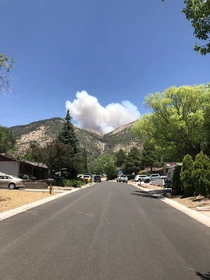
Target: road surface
[{"x": 111, "y": 231}]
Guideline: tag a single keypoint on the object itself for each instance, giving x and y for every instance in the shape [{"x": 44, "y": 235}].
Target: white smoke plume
[{"x": 88, "y": 113}]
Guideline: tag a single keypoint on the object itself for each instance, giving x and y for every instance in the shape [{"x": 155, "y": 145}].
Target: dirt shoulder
[
  {"x": 199, "y": 203},
  {"x": 10, "y": 199}
]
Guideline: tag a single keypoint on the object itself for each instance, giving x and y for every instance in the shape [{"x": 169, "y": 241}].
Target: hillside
[{"x": 95, "y": 143}]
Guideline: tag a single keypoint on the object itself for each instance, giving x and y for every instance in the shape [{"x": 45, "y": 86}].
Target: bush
[
  {"x": 72, "y": 183},
  {"x": 25, "y": 177},
  {"x": 187, "y": 183},
  {"x": 110, "y": 171},
  {"x": 142, "y": 172},
  {"x": 201, "y": 174},
  {"x": 176, "y": 183}
]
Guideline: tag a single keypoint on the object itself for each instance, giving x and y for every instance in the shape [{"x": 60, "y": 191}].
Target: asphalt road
[{"x": 111, "y": 231}]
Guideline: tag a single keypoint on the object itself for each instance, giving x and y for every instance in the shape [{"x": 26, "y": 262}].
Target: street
[{"x": 110, "y": 231}]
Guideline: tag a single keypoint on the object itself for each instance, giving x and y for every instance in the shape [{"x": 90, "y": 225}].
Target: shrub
[
  {"x": 72, "y": 183},
  {"x": 176, "y": 183},
  {"x": 187, "y": 183},
  {"x": 25, "y": 177},
  {"x": 142, "y": 172},
  {"x": 201, "y": 174},
  {"x": 110, "y": 171}
]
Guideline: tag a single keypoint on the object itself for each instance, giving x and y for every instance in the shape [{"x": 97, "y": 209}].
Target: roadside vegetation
[{"x": 177, "y": 129}]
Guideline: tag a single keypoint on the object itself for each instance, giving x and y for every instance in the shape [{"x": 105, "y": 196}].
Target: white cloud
[{"x": 88, "y": 113}]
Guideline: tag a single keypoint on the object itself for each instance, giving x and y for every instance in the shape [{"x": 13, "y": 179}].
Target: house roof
[
  {"x": 154, "y": 169},
  {"x": 37, "y": 164},
  {"x": 6, "y": 157},
  {"x": 170, "y": 165}
]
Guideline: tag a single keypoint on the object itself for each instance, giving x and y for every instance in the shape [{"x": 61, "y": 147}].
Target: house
[
  {"x": 148, "y": 170},
  {"x": 9, "y": 165},
  {"x": 170, "y": 166},
  {"x": 33, "y": 169},
  {"x": 15, "y": 167}
]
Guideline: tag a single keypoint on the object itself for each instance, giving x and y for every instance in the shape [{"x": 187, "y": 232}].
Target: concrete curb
[
  {"x": 192, "y": 213},
  {"x": 26, "y": 207}
]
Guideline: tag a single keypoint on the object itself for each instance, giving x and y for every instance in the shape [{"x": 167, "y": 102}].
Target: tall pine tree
[{"x": 67, "y": 134}]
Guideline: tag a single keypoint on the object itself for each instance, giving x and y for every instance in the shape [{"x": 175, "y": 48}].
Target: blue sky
[{"x": 115, "y": 50}]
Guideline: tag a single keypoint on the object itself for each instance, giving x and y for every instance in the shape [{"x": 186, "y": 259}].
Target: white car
[
  {"x": 11, "y": 182},
  {"x": 156, "y": 176},
  {"x": 122, "y": 178},
  {"x": 142, "y": 178}
]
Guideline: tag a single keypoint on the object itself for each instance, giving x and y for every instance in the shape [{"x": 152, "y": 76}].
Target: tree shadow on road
[
  {"x": 145, "y": 194},
  {"x": 161, "y": 193},
  {"x": 205, "y": 276}
]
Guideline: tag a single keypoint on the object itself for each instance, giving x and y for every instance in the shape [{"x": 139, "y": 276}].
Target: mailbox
[{"x": 49, "y": 182}]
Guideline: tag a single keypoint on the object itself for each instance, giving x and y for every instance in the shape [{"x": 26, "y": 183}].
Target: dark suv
[{"x": 97, "y": 178}]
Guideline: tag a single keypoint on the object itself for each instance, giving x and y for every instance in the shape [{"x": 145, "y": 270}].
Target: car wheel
[{"x": 12, "y": 186}]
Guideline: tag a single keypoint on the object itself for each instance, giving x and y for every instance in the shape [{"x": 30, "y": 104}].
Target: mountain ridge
[{"x": 94, "y": 142}]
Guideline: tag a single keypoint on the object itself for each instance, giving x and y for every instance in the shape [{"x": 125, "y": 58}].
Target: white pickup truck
[
  {"x": 156, "y": 176},
  {"x": 152, "y": 177}
]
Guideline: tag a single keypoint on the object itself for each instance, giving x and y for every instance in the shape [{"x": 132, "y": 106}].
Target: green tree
[
  {"x": 133, "y": 161},
  {"x": 67, "y": 134},
  {"x": 201, "y": 174},
  {"x": 186, "y": 178},
  {"x": 27, "y": 156},
  {"x": 176, "y": 183},
  {"x": 6, "y": 64},
  {"x": 110, "y": 170},
  {"x": 58, "y": 156},
  {"x": 7, "y": 140},
  {"x": 177, "y": 121},
  {"x": 198, "y": 13},
  {"x": 103, "y": 164},
  {"x": 85, "y": 165},
  {"x": 120, "y": 158},
  {"x": 148, "y": 156}
]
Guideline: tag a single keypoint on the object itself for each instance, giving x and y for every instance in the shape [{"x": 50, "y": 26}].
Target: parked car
[
  {"x": 147, "y": 179},
  {"x": 142, "y": 178},
  {"x": 167, "y": 182},
  {"x": 11, "y": 182},
  {"x": 130, "y": 176},
  {"x": 97, "y": 178},
  {"x": 156, "y": 176},
  {"x": 87, "y": 178},
  {"x": 122, "y": 178}
]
